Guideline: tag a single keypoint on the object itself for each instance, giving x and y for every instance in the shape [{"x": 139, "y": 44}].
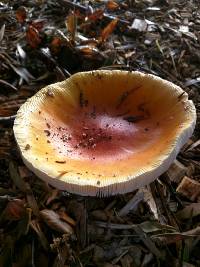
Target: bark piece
[
  {"x": 139, "y": 25},
  {"x": 190, "y": 189},
  {"x": 176, "y": 171}
]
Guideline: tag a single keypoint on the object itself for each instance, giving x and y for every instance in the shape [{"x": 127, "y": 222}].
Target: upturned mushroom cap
[{"x": 104, "y": 132}]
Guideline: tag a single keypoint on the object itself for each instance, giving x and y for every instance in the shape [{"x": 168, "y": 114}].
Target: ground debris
[
  {"x": 131, "y": 204},
  {"x": 52, "y": 219},
  {"x": 189, "y": 211},
  {"x": 176, "y": 171},
  {"x": 190, "y": 189},
  {"x": 139, "y": 25},
  {"x": 43, "y": 226}
]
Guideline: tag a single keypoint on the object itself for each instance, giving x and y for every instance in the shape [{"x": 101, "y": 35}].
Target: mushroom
[{"x": 104, "y": 132}]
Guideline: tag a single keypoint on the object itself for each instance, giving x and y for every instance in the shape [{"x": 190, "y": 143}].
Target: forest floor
[{"x": 42, "y": 42}]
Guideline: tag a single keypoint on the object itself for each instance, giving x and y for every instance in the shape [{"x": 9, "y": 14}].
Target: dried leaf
[
  {"x": 33, "y": 37},
  {"x": 56, "y": 45},
  {"x": 108, "y": 29},
  {"x": 153, "y": 226},
  {"x": 98, "y": 14},
  {"x": 169, "y": 238},
  {"x": 14, "y": 209},
  {"x": 21, "y": 14},
  {"x": 112, "y": 5},
  {"x": 38, "y": 24},
  {"x": 52, "y": 219},
  {"x": 89, "y": 51}
]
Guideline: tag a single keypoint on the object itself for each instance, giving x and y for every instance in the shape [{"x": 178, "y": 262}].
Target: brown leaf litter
[{"x": 42, "y": 42}]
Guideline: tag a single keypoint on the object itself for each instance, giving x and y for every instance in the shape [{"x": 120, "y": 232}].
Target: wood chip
[
  {"x": 190, "y": 189},
  {"x": 139, "y": 25},
  {"x": 176, "y": 171}
]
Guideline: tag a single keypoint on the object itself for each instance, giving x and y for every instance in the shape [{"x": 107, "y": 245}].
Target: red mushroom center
[{"x": 100, "y": 136}]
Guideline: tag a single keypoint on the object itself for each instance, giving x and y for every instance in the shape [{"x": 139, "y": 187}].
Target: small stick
[
  {"x": 9, "y": 118},
  {"x": 8, "y": 85}
]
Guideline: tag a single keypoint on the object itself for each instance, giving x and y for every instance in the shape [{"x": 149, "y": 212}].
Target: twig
[
  {"x": 132, "y": 204},
  {"x": 169, "y": 238},
  {"x": 6, "y": 119},
  {"x": 8, "y": 85},
  {"x": 115, "y": 226},
  {"x": 63, "y": 74}
]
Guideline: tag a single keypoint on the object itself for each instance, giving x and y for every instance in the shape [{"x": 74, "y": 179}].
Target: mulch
[{"x": 42, "y": 42}]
